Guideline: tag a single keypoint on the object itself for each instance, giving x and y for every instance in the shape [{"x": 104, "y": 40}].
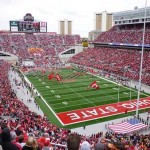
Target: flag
[
  {"x": 51, "y": 76},
  {"x": 94, "y": 85},
  {"x": 58, "y": 77},
  {"x": 127, "y": 127}
]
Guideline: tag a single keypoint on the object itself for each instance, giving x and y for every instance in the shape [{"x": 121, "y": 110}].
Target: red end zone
[{"x": 86, "y": 114}]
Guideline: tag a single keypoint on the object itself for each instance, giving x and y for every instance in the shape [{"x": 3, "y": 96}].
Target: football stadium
[{"x": 61, "y": 89}]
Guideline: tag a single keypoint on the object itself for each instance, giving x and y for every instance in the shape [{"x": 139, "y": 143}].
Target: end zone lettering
[{"x": 102, "y": 111}]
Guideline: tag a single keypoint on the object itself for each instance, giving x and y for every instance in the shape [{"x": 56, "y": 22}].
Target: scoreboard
[{"x": 28, "y": 25}]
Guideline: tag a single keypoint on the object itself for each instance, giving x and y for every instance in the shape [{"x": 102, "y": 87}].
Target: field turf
[{"x": 73, "y": 94}]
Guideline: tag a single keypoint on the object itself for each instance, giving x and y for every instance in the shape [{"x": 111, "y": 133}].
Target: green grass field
[{"x": 74, "y": 95}]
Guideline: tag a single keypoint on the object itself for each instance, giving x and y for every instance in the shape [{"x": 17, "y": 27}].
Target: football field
[{"x": 72, "y": 103}]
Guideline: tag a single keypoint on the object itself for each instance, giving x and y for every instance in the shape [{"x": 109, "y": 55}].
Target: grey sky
[{"x": 81, "y": 12}]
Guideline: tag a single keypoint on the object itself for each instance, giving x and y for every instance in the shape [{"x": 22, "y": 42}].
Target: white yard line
[
  {"x": 120, "y": 85},
  {"x": 46, "y": 103},
  {"x": 82, "y": 96}
]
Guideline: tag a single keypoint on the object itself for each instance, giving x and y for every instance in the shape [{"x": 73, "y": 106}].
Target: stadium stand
[
  {"x": 37, "y": 131},
  {"x": 122, "y": 62},
  {"x": 19, "y": 43},
  {"x": 131, "y": 34},
  {"x": 21, "y": 121}
]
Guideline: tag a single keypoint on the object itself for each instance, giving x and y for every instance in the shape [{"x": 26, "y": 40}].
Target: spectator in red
[
  {"x": 47, "y": 145},
  {"x": 13, "y": 139}
]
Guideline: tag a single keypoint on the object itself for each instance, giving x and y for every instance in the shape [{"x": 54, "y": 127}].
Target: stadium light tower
[{"x": 141, "y": 64}]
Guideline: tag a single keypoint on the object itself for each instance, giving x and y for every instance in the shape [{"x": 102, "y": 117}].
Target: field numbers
[
  {"x": 57, "y": 96},
  {"x": 52, "y": 91},
  {"x": 47, "y": 87},
  {"x": 65, "y": 103}
]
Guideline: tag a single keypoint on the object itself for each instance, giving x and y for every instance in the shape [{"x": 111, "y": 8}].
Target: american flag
[{"x": 127, "y": 127}]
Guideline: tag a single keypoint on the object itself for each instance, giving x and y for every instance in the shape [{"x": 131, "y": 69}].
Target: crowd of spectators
[
  {"x": 19, "y": 44},
  {"x": 22, "y": 129},
  {"x": 20, "y": 121},
  {"x": 123, "y": 62},
  {"x": 129, "y": 34}
]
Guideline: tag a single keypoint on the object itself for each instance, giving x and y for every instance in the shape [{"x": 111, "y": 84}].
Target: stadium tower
[
  {"x": 65, "y": 27},
  {"x": 103, "y": 21}
]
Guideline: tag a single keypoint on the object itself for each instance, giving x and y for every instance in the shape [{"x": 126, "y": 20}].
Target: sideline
[{"x": 36, "y": 91}]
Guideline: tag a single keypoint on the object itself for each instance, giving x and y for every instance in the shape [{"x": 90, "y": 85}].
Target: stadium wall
[
  {"x": 135, "y": 84},
  {"x": 9, "y": 57},
  {"x": 65, "y": 57}
]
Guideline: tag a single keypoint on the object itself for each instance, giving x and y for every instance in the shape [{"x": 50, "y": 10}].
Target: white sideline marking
[{"x": 44, "y": 101}]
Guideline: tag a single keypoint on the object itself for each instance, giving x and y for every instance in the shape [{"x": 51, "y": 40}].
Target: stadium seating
[
  {"x": 52, "y": 45},
  {"x": 125, "y": 34},
  {"x": 122, "y": 62},
  {"x": 21, "y": 121},
  {"x": 18, "y": 117}
]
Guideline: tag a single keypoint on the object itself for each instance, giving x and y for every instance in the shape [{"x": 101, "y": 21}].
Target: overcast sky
[{"x": 81, "y": 12}]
